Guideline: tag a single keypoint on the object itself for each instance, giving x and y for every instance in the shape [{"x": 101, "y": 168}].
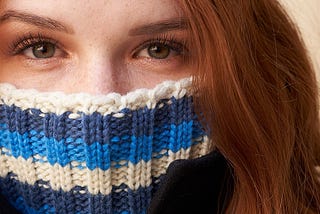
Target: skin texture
[{"x": 100, "y": 46}]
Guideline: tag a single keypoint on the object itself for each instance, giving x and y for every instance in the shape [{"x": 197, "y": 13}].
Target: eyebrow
[
  {"x": 160, "y": 27},
  {"x": 38, "y": 21}
]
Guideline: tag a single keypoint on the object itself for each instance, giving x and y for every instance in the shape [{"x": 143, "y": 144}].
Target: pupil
[
  {"x": 156, "y": 49},
  {"x": 159, "y": 51},
  {"x": 44, "y": 50}
]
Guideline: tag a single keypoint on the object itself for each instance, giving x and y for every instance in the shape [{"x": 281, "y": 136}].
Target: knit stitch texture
[{"x": 80, "y": 153}]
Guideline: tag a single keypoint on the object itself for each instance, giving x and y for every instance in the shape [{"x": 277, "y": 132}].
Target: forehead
[{"x": 97, "y": 12}]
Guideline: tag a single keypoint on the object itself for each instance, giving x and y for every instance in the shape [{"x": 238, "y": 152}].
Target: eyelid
[
  {"x": 28, "y": 52},
  {"x": 24, "y": 42},
  {"x": 170, "y": 41}
]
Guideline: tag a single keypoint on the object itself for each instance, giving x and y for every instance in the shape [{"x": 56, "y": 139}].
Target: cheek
[
  {"x": 150, "y": 76},
  {"x": 20, "y": 72},
  {"x": 148, "y": 72},
  {"x": 12, "y": 73},
  {"x": 20, "y": 77},
  {"x": 74, "y": 79}
]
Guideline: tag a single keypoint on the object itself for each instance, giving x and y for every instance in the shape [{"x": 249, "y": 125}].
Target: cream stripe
[
  {"x": 96, "y": 180},
  {"x": 59, "y": 103}
]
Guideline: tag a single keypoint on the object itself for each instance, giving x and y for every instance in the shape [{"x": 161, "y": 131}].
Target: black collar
[{"x": 203, "y": 185}]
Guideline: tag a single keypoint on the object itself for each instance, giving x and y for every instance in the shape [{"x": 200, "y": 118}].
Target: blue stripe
[
  {"x": 105, "y": 127},
  {"x": 37, "y": 199},
  {"x": 20, "y": 204},
  {"x": 96, "y": 155}
]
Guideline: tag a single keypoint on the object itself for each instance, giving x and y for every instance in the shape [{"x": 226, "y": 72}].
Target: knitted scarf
[{"x": 78, "y": 153}]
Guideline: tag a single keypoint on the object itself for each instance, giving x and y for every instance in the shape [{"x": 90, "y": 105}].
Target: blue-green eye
[
  {"x": 159, "y": 51},
  {"x": 161, "y": 48},
  {"x": 42, "y": 50},
  {"x": 36, "y": 47}
]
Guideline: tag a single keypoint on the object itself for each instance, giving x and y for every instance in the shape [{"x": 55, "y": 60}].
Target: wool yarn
[{"x": 78, "y": 153}]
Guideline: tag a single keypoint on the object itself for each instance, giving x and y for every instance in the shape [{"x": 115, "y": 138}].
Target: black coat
[{"x": 203, "y": 185}]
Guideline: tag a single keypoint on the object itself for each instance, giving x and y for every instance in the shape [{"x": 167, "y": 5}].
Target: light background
[{"x": 306, "y": 14}]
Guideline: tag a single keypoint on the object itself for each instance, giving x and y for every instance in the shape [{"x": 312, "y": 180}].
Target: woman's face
[{"x": 93, "y": 46}]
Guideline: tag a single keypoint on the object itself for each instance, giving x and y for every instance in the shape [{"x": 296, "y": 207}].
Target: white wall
[{"x": 306, "y": 14}]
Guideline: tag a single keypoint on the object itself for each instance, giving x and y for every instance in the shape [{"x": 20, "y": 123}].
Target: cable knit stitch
[{"x": 80, "y": 153}]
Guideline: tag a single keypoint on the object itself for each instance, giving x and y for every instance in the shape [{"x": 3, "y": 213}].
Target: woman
[{"x": 253, "y": 89}]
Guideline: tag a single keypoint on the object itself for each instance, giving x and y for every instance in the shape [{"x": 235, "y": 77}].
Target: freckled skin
[{"x": 100, "y": 55}]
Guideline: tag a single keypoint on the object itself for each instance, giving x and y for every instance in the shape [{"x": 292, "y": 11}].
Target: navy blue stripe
[
  {"x": 78, "y": 200},
  {"x": 99, "y": 143},
  {"x": 134, "y": 122},
  {"x": 20, "y": 205},
  {"x": 96, "y": 155}
]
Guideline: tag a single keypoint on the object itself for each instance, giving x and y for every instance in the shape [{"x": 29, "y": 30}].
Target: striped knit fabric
[{"x": 78, "y": 153}]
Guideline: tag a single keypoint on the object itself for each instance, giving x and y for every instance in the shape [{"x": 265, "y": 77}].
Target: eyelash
[
  {"x": 26, "y": 41},
  {"x": 166, "y": 40},
  {"x": 29, "y": 40}
]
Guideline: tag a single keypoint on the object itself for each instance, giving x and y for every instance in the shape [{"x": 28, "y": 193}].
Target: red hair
[{"x": 258, "y": 94}]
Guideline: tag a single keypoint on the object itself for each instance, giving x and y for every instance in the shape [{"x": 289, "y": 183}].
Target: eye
[
  {"x": 41, "y": 50},
  {"x": 159, "y": 51},
  {"x": 37, "y": 47}
]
